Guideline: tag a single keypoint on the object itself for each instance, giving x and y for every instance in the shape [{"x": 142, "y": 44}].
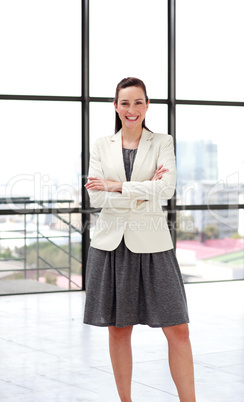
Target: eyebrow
[{"x": 122, "y": 100}]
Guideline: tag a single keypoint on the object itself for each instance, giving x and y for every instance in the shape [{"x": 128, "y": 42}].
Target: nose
[{"x": 131, "y": 109}]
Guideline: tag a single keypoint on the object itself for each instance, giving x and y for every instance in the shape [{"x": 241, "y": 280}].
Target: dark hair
[{"x": 128, "y": 82}]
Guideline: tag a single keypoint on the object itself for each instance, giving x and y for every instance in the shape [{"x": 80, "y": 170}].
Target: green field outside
[{"x": 235, "y": 258}]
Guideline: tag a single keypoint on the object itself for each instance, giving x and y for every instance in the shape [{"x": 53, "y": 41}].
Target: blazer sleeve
[
  {"x": 160, "y": 189},
  {"x": 105, "y": 199}
]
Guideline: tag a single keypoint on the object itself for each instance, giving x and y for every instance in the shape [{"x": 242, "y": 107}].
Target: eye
[
  {"x": 139, "y": 103},
  {"x": 124, "y": 103}
]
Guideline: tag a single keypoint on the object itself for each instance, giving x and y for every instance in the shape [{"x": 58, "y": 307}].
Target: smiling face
[{"x": 131, "y": 107}]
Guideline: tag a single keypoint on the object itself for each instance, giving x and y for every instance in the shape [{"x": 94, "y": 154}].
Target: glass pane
[
  {"x": 209, "y": 42},
  {"x": 210, "y": 160},
  {"x": 40, "y": 47},
  {"x": 41, "y": 152},
  {"x": 210, "y": 245},
  {"x": 102, "y": 119},
  {"x": 157, "y": 118},
  {"x": 38, "y": 253},
  {"x": 130, "y": 39}
]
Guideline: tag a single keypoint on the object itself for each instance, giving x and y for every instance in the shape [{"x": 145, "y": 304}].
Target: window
[
  {"x": 40, "y": 47},
  {"x": 40, "y": 159},
  {"x": 210, "y": 62},
  {"x": 129, "y": 40},
  {"x": 49, "y": 124},
  {"x": 210, "y": 161}
]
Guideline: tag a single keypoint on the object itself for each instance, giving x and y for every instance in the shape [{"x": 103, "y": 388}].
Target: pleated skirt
[{"x": 125, "y": 288}]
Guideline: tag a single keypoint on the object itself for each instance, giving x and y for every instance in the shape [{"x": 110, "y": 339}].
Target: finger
[
  {"x": 159, "y": 175},
  {"x": 163, "y": 171},
  {"x": 93, "y": 187},
  {"x": 89, "y": 183},
  {"x": 159, "y": 170},
  {"x": 92, "y": 178},
  {"x": 92, "y": 183}
]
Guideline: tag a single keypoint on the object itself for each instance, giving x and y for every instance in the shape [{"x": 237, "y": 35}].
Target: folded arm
[
  {"x": 160, "y": 188},
  {"x": 112, "y": 194},
  {"x": 104, "y": 193}
]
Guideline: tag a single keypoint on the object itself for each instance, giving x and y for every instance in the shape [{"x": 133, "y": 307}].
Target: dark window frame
[{"x": 85, "y": 101}]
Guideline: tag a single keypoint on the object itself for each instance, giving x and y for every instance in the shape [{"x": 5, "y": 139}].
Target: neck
[{"x": 131, "y": 136}]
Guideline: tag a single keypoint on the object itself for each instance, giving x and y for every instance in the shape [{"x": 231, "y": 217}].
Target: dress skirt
[{"x": 125, "y": 288}]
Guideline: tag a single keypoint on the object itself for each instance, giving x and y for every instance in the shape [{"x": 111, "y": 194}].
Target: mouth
[{"x": 132, "y": 118}]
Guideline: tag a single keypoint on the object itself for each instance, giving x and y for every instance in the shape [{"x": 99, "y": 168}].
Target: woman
[{"x": 132, "y": 273}]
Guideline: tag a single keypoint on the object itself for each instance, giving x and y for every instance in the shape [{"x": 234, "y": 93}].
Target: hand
[
  {"x": 103, "y": 185},
  {"x": 159, "y": 173}
]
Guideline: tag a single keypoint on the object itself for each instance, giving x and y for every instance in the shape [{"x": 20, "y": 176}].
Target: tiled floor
[{"x": 47, "y": 354}]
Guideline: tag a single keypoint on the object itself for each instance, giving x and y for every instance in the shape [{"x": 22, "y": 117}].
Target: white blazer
[{"x": 143, "y": 226}]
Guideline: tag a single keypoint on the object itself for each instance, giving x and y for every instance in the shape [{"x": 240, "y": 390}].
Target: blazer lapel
[
  {"x": 117, "y": 155},
  {"x": 143, "y": 148}
]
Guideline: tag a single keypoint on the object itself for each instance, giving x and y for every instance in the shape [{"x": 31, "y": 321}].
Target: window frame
[{"x": 85, "y": 100}]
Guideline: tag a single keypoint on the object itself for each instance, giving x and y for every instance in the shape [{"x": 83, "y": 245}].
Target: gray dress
[{"x": 125, "y": 288}]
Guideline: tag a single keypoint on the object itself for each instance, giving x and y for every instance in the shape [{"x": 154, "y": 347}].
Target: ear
[
  {"x": 147, "y": 105},
  {"x": 115, "y": 106}
]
